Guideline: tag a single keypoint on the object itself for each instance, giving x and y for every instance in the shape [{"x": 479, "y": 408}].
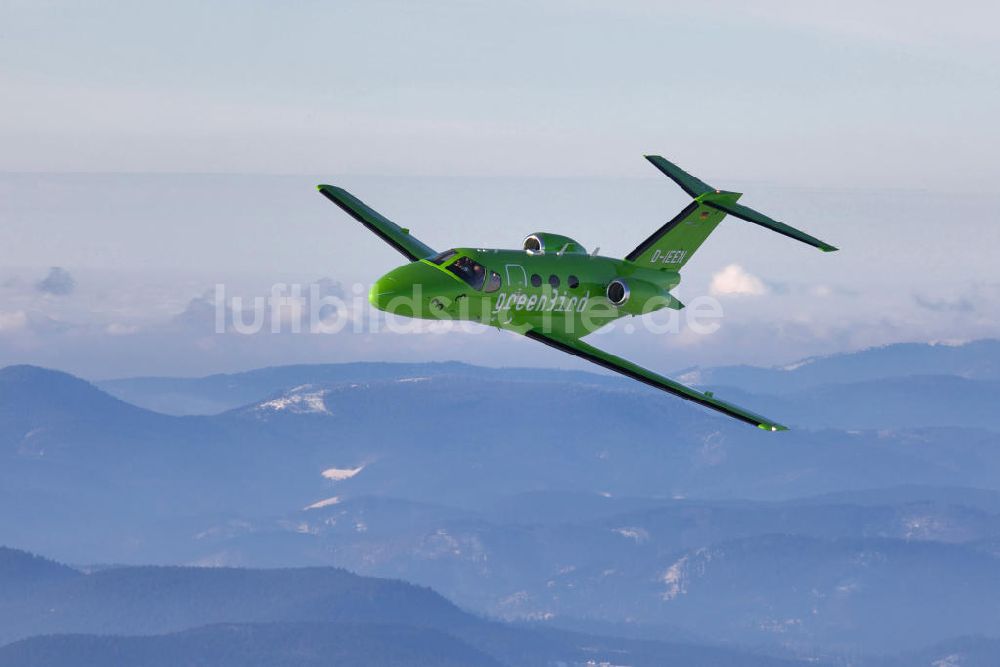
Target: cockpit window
[
  {"x": 470, "y": 271},
  {"x": 443, "y": 257},
  {"x": 493, "y": 283}
]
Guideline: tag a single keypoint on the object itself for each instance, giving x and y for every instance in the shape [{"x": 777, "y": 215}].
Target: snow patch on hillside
[
  {"x": 677, "y": 577},
  {"x": 340, "y": 474},
  {"x": 693, "y": 376},
  {"x": 636, "y": 534},
  {"x": 299, "y": 400},
  {"x": 798, "y": 364},
  {"x": 326, "y": 502}
]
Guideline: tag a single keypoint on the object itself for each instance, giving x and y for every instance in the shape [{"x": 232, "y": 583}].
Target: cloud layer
[{"x": 120, "y": 324}]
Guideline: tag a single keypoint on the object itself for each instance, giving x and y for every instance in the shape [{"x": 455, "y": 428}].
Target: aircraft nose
[
  {"x": 383, "y": 291},
  {"x": 405, "y": 290}
]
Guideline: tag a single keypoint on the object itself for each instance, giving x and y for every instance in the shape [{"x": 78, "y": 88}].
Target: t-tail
[{"x": 673, "y": 244}]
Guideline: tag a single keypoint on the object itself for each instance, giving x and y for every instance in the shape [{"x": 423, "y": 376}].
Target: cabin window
[
  {"x": 470, "y": 271},
  {"x": 493, "y": 282},
  {"x": 554, "y": 281},
  {"x": 573, "y": 282},
  {"x": 536, "y": 280},
  {"x": 443, "y": 257}
]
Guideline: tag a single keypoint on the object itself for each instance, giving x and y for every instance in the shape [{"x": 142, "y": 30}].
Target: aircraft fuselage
[{"x": 520, "y": 289}]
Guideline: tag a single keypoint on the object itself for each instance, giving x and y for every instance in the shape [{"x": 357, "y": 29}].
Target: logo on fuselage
[{"x": 541, "y": 303}]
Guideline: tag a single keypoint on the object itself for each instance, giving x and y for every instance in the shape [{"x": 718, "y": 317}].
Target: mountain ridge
[{"x": 294, "y": 611}]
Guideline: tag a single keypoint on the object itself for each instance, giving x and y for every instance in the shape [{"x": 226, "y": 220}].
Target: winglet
[{"x": 772, "y": 427}]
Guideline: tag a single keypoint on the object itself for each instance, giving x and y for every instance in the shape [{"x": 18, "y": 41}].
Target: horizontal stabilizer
[
  {"x": 745, "y": 213},
  {"x": 676, "y": 241}
]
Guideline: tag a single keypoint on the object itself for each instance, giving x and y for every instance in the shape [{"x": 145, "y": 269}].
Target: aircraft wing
[
  {"x": 580, "y": 349},
  {"x": 396, "y": 236}
]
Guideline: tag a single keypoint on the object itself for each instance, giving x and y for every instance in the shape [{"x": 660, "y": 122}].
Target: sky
[{"x": 152, "y": 152}]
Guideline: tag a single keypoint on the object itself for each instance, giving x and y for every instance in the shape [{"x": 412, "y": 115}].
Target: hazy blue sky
[
  {"x": 872, "y": 125},
  {"x": 847, "y": 94}
]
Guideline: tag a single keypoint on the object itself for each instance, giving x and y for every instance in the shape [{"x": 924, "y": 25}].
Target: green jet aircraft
[{"x": 555, "y": 292}]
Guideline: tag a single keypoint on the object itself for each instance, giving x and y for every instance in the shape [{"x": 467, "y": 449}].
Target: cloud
[
  {"x": 735, "y": 281},
  {"x": 824, "y": 291},
  {"x": 119, "y": 329},
  {"x": 199, "y": 314},
  {"x": 13, "y": 321},
  {"x": 59, "y": 282},
  {"x": 32, "y": 323},
  {"x": 959, "y": 305}
]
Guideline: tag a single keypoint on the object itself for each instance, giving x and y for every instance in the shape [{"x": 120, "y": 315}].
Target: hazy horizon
[{"x": 166, "y": 241}]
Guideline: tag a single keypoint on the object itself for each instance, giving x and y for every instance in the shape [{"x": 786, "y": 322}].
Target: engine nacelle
[
  {"x": 544, "y": 242},
  {"x": 638, "y": 297}
]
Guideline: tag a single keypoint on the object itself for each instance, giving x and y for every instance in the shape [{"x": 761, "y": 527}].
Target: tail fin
[{"x": 672, "y": 245}]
